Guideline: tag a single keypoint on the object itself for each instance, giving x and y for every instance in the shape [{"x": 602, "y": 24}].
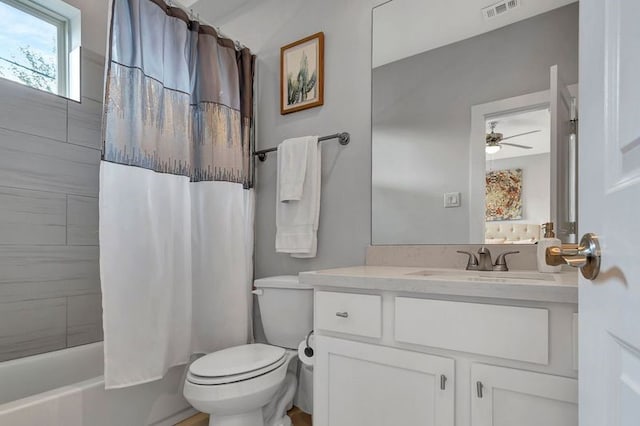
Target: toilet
[{"x": 253, "y": 384}]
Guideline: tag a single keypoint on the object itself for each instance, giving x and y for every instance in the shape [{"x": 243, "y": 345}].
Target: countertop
[{"x": 518, "y": 285}]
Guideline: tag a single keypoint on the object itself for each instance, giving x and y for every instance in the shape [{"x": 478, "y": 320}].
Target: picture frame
[
  {"x": 503, "y": 195},
  {"x": 302, "y": 74}
]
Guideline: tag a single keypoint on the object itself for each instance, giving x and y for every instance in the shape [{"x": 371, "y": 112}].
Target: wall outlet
[{"x": 451, "y": 199}]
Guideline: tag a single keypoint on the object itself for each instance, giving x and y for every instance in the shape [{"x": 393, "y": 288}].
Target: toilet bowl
[
  {"x": 252, "y": 385},
  {"x": 235, "y": 383}
]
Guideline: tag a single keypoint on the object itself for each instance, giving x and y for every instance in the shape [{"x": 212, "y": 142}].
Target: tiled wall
[{"x": 49, "y": 163}]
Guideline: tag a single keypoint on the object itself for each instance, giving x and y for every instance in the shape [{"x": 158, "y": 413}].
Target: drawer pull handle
[
  {"x": 342, "y": 314},
  {"x": 479, "y": 387},
  {"x": 443, "y": 381}
]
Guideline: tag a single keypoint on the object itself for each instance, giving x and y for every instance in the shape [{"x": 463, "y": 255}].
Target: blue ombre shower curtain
[{"x": 176, "y": 197}]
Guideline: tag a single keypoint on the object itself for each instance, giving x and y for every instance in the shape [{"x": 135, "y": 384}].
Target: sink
[{"x": 487, "y": 276}]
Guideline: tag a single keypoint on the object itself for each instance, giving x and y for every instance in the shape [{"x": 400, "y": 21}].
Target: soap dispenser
[{"x": 549, "y": 240}]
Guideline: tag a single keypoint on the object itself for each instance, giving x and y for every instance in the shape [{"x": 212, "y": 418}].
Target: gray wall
[
  {"x": 422, "y": 118},
  {"x": 49, "y": 163},
  {"x": 536, "y": 181},
  {"x": 345, "y": 213}
]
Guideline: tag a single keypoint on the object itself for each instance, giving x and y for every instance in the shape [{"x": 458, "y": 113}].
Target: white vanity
[
  {"x": 416, "y": 346},
  {"x": 473, "y": 147}
]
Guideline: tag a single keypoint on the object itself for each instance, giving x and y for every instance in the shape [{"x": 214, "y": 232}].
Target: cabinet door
[
  {"x": 369, "y": 385},
  {"x": 507, "y": 397}
]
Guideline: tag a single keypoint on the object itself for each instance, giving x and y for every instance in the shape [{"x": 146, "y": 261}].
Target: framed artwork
[
  {"x": 302, "y": 74},
  {"x": 504, "y": 195}
]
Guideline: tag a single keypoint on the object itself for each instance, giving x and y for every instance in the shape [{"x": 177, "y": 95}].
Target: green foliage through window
[
  {"x": 33, "y": 46},
  {"x": 38, "y": 72}
]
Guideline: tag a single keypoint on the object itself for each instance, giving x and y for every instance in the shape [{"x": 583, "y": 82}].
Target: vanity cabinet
[
  {"x": 507, "y": 397},
  {"x": 391, "y": 358},
  {"x": 361, "y": 384}
]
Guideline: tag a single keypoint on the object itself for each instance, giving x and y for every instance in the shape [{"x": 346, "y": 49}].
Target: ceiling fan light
[{"x": 492, "y": 149}]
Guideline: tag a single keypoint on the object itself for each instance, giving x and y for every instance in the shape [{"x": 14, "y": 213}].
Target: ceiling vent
[{"x": 499, "y": 8}]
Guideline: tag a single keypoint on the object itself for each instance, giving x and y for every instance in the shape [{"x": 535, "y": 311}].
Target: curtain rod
[
  {"x": 191, "y": 16},
  {"x": 343, "y": 139}
]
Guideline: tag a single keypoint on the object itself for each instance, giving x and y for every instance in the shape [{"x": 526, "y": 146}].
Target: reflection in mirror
[
  {"x": 472, "y": 133},
  {"x": 518, "y": 174}
]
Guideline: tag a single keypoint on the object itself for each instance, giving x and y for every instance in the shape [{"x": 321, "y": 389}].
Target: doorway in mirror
[{"x": 523, "y": 165}]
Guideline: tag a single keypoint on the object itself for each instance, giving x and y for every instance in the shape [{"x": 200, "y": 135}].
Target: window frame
[{"x": 62, "y": 49}]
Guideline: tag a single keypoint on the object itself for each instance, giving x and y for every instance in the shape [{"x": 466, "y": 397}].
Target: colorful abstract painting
[{"x": 504, "y": 195}]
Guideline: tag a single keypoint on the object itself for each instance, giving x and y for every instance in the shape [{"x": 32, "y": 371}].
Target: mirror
[{"x": 473, "y": 121}]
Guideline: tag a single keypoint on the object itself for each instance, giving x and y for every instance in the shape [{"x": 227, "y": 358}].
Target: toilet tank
[{"x": 286, "y": 309}]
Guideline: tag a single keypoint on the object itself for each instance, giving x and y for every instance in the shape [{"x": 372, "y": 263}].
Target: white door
[
  {"x": 509, "y": 397},
  {"x": 610, "y": 207},
  {"x": 357, "y": 384}
]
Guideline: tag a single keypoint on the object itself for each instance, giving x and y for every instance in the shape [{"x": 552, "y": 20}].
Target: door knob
[{"x": 585, "y": 256}]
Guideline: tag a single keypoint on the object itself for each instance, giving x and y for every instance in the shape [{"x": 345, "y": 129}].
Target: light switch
[{"x": 451, "y": 199}]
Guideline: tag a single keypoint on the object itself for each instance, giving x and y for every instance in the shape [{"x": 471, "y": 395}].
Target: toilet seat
[{"x": 236, "y": 364}]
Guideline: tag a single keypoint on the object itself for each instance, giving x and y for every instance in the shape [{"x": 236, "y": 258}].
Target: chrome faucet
[
  {"x": 484, "y": 263},
  {"x": 501, "y": 261},
  {"x": 472, "y": 262},
  {"x": 484, "y": 259}
]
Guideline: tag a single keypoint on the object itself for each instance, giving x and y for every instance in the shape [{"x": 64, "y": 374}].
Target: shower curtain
[{"x": 176, "y": 198}]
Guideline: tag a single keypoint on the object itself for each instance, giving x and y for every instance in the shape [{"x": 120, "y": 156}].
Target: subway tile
[
  {"x": 82, "y": 221},
  {"x": 32, "y": 162},
  {"x": 92, "y": 81},
  {"x": 85, "y": 309},
  {"x": 84, "y": 334},
  {"x": 41, "y": 272},
  {"x": 32, "y": 111},
  {"x": 84, "y": 319},
  {"x": 32, "y": 217},
  {"x": 32, "y": 327},
  {"x": 85, "y": 123}
]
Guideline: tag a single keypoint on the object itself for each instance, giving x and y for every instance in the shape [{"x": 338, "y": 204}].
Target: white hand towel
[
  {"x": 292, "y": 166},
  {"x": 297, "y": 221}
]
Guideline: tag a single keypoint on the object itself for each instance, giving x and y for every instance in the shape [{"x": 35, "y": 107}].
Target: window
[{"x": 38, "y": 46}]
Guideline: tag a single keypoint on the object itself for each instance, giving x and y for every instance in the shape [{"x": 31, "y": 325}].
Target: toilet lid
[
  {"x": 237, "y": 360},
  {"x": 210, "y": 381}
]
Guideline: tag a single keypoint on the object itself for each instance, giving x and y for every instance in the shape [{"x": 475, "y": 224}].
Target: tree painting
[{"x": 299, "y": 87}]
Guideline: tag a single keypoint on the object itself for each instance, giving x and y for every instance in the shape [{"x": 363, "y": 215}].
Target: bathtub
[{"x": 66, "y": 388}]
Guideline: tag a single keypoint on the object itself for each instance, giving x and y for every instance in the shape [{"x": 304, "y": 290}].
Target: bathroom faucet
[
  {"x": 483, "y": 261},
  {"x": 501, "y": 261},
  {"x": 472, "y": 262}
]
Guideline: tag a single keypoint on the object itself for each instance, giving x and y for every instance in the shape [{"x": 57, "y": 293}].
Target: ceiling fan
[{"x": 494, "y": 141}]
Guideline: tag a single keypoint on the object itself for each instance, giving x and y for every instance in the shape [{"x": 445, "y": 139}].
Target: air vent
[{"x": 499, "y": 8}]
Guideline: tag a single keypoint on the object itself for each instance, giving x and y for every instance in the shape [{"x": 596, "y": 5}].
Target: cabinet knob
[
  {"x": 342, "y": 314},
  {"x": 479, "y": 387}
]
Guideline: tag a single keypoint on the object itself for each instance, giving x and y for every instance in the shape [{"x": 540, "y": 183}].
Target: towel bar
[{"x": 343, "y": 139}]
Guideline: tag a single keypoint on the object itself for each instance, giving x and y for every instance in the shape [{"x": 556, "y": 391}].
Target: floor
[{"x": 298, "y": 417}]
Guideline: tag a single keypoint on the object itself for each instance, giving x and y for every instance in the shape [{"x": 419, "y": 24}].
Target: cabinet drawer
[
  {"x": 501, "y": 331},
  {"x": 359, "y": 314}
]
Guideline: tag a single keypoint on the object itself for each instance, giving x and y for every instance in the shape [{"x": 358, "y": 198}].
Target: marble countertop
[{"x": 518, "y": 285}]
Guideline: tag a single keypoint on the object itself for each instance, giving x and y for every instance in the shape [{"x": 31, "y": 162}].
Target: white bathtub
[{"x": 66, "y": 388}]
